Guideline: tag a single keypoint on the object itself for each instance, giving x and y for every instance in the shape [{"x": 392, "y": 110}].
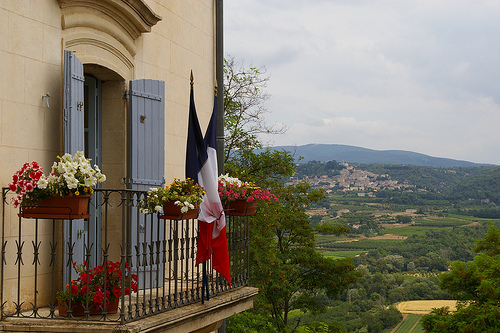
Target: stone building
[{"x": 111, "y": 78}]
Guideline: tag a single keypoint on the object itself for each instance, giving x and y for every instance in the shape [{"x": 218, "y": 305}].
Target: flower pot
[
  {"x": 66, "y": 207},
  {"x": 173, "y": 212},
  {"x": 79, "y": 308},
  {"x": 241, "y": 207}
]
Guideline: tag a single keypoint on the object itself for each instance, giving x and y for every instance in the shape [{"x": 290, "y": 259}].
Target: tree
[
  {"x": 285, "y": 264},
  {"x": 403, "y": 219},
  {"x": 475, "y": 285},
  {"x": 244, "y": 98}
]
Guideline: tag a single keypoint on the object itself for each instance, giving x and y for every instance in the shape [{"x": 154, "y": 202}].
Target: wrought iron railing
[{"x": 38, "y": 257}]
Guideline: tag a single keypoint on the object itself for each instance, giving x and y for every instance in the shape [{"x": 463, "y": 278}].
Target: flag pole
[{"x": 204, "y": 277}]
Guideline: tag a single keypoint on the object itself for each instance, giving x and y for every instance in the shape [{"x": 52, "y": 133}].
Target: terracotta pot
[
  {"x": 241, "y": 208},
  {"x": 173, "y": 212},
  {"x": 66, "y": 207},
  {"x": 79, "y": 308}
]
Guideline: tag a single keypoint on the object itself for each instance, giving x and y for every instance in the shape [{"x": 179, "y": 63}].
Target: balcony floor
[{"x": 195, "y": 317}]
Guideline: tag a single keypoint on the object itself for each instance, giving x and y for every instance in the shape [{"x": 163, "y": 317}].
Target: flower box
[
  {"x": 78, "y": 309},
  {"x": 66, "y": 207},
  {"x": 240, "y": 198},
  {"x": 63, "y": 194},
  {"x": 241, "y": 208},
  {"x": 173, "y": 212},
  {"x": 179, "y": 201},
  {"x": 89, "y": 287}
]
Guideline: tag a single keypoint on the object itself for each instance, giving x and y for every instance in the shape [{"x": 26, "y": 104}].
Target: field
[
  {"x": 410, "y": 230},
  {"x": 341, "y": 254},
  {"x": 407, "y": 324},
  {"x": 341, "y": 246},
  {"x": 441, "y": 222},
  {"x": 424, "y": 307},
  {"x": 413, "y": 311},
  {"x": 361, "y": 244}
]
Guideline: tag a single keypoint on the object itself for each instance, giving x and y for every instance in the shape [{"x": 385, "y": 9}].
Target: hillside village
[{"x": 352, "y": 179}]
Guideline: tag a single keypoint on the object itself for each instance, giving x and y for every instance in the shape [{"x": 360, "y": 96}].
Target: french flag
[{"x": 201, "y": 166}]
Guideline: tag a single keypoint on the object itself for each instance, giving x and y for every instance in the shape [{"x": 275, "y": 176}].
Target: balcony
[{"x": 157, "y": 257}]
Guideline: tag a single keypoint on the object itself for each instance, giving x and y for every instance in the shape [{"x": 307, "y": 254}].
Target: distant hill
[{"x": 353, "y": 154}]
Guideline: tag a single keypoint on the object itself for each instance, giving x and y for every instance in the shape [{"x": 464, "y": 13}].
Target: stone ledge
[{"x": 189, "y": 318}]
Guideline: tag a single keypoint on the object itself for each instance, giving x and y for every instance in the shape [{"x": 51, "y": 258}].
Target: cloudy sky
[{"x": 413, "y": 75}]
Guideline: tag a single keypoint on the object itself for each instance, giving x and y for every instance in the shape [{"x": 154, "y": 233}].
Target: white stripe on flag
[{"x": 211, "y": 208}]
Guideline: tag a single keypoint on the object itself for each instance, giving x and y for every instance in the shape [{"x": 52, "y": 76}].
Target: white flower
[
  {"x": 90, "y": 181},
  {"x": 86, "y": 169},
  {"x": 158, "y": 208},
  {"x": 184, "y": 209},
  {"x": 226, "y": 179},
  {"x": 67, "y": 157},
  {"x": 79, "y": 155},
  {"x": 178, "y": 203},
  {"x": 42, "y": 183},
  {"x": 67, "y": 167},
  {"x": 101, "y": 178},
  {"x": 52, "y": 179},
  {"x": 71, "y": 181}
]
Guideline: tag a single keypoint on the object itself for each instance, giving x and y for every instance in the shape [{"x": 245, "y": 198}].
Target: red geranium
[{"x": 102, "y": 284}]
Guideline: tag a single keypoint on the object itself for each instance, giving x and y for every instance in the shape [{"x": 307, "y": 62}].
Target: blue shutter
[
  {"x": 73, "y": 128},
  {"x": 73, "y": 111},
  {"x": 147, "y": 155},
  {"x": 147, "y": 159}
]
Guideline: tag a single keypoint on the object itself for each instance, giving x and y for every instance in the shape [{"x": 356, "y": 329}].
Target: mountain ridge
[{"x": 354, "y": 154}]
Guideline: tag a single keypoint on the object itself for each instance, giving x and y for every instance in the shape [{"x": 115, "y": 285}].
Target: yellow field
[{"x": 424, "y": 307}]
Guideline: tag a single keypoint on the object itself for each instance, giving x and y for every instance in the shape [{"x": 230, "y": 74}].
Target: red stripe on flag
[
  {"x": 204, "y": 241},
  {"x": 220, "y": 259}
]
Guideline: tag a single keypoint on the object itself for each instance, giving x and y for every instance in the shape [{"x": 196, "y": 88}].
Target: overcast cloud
[{"x": 411, "y": 75}]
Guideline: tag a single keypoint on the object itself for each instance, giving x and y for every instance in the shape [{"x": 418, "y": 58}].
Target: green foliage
[
  {"x": 379, "y": 319},
  {"x": 425, "y": 177},
  {"x": 361, "y": 223},
  {"x": 328, "y": 229},
  {"x": 320, "y": 327},
  {"x": 475, "y": 285},
  {"x": 266, "y": 168},
  {"x": 285, "y": 265},
  {"x": 249, "y": 322},
  {"x": 357, "y": 316},
  {"x": 479, "y": 186},
  {"x": 317, "y": 169},
  {"x": 403, "y": 219}
]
